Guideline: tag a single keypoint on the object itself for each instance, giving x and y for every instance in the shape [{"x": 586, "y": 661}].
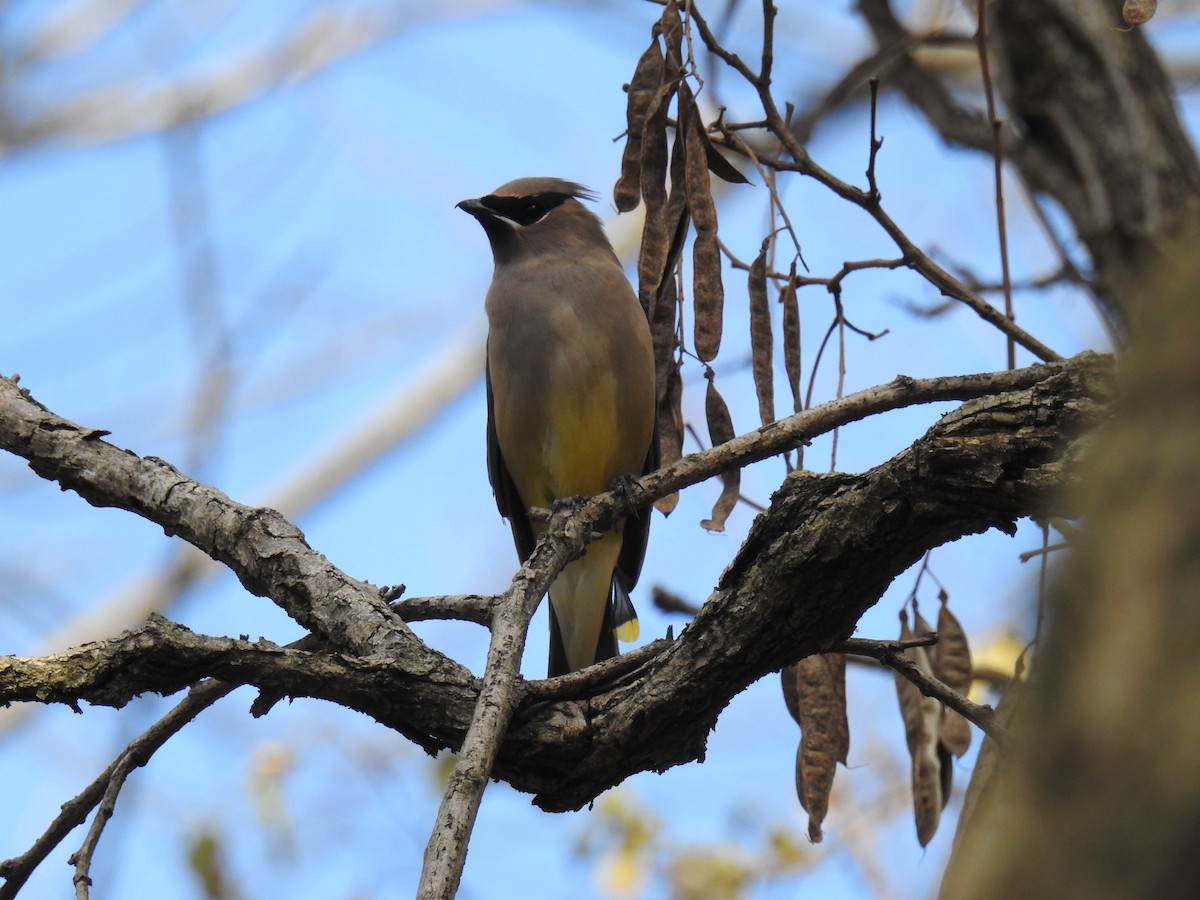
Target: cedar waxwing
[{"x": 571, "y": 398}]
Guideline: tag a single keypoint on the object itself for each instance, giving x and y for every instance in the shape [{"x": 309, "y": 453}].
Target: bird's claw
[
  {"x": 625, "y": 488},
  {"x": 565, "y": 504}
]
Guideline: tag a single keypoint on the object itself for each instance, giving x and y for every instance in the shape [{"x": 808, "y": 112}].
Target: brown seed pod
[
  {"x": 642, "y": 89},
  {"x": 791, "y": 338},
  {"x": 815, "y": 690},
  {"x": 1138, "y": 12},
  {"x": 671, "y": 26},
  {"x": 665, "y": 336},
  {"x": 761, "y": 343},
  {"x": 921, "y": 717},
  {"x": 669, "y": 386},
  {"x": 720, "y": 430},
  {"x": 656, "y": 237},
  {"x": 953, "y": 666},
  {"x": 670, "y": 432},
  {"x": 708, "y": 295}
]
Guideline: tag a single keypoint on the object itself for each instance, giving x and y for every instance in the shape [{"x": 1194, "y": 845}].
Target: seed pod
[
  {"x": 708, "y": 295},
  {"x": 791, "y": 338},
  {"x": 720, "y": 430},
  {"x": 1138, "y": 12},
  {"x": 670, "y": 431},
  {"x": 642, "y": 89},
  {"x": 656, "y": 235},
  {"x": 665, "y": 337},
  {"x": 953, "y": 667},
  {"x": 921, "y": 716},
  {"x": 761, "y": 344},
  {"x": 815, "y": 691},
  {"x": 671, "y": 27},
  {"x": 668, "y": 385},
  {"x": 920, "y": 629}
]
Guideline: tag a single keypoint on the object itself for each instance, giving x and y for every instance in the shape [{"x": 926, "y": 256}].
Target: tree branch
[
  {"x": 821, "y": 555},
  {"x": 16, "y": 871},
  {"x": 890, "y": 654}
]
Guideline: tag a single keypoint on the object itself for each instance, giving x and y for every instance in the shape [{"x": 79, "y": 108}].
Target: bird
[{"x": 570, "y": 398}]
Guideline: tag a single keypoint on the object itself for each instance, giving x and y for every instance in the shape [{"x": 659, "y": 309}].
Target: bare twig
[
  {"x": 891, "y": 655},
  {"x": 446, "y": 851},
  {"x": 998, "y": 162},
  {"x": 16, "y": 871},
  {"x": 477, "y": 608},
  {"x": 803, "y": 164}
]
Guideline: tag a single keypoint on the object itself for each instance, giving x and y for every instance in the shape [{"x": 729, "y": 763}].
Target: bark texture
[{"x": 814, "y": 562}]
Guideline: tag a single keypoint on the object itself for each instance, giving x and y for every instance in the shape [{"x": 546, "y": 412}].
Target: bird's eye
[{"x": 534, "y": 211}]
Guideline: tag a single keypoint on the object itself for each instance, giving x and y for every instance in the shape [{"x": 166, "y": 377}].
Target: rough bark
[
  {"x": 1102, "y": 795},
  {"x": 814, "y": 562},
  {"x": 1099, "y": 134}
]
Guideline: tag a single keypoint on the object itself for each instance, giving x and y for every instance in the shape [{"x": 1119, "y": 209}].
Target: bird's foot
[
  {"x": 625, "y": 487},
  {"x": 566, "y": 504}
]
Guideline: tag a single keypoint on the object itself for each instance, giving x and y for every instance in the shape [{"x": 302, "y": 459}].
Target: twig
[
  {"x": 583, "y": 682},
  {"x": 876, "y": 143},
  {"x": 998, "y": 161},
  {"x": 803, "y": 164},
  {"x": 890, "y": 654},
  {"x": 17, "y": 870},
  {"x": 446, "y": 850},
  {"x": 477, "y": 608},
  {"x": 1027, "y": 555}
]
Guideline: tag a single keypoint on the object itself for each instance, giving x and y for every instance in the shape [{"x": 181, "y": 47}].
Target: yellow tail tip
[{"x": 627, "y": 632}]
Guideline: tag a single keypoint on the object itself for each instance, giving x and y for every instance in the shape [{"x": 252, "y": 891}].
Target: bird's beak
[{"x": 475, "y": 207}]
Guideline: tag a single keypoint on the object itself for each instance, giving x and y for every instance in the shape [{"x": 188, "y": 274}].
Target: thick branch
[
  {"x": 267, "y": 553},
  {"x": 821, "y": 555}
]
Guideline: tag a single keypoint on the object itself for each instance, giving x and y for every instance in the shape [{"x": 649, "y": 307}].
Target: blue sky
[{"x": 343, "y": 271}]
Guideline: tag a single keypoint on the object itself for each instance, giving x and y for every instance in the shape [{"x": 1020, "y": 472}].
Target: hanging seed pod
[
  {"x": 665, "y": 336},
  {"x": 670, "y": 431},
  {"x": 656, "y": 232},
  {"x": 708, "y": 295},
  {"x": 921, "y": 717},
  {"x": 761, "y": 343},
  {"x": 1138, "y": 12},
  {"x": 921, "y": 628},
  {"x": 676, "y": 221},
  {"x": 953, "y": 666},
  {"x": 671, "y": 26},
  {"x": 791, "y": 338},
  {"x": 668, "y": 385},
  {"x": 720, "y": 430},
  {"x": 815, "y": 692},
  {"x": 642, "y": 89}
]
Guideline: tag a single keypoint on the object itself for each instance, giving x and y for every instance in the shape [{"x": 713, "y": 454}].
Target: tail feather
[{"x": 606, "y": 645}]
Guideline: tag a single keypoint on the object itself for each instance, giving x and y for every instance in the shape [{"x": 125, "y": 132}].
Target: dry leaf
[
  {"x": 720, "y": 166},
  {"x": 761, "y": 343},
  {"x": 720, "y": 430},
  {"x": 953, "y": 667}
]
